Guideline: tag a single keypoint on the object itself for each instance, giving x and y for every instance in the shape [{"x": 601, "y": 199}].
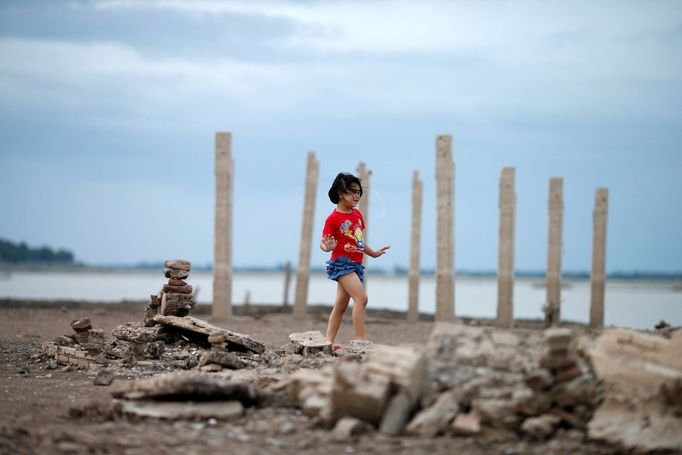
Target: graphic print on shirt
[{"x": 355, "y": 234}]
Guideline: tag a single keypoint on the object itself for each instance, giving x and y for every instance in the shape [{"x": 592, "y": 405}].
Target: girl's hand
[
  {"x": 380, "y": 252},
  {"x": 328, "y": 243}
]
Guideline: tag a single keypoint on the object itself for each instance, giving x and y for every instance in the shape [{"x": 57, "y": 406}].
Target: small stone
[
  {"x": 568, "y": 374},
  {"x": 178, "y": 264},
  {"x": 64, "y": 341},
  {"x": 287, "y": 428},
  {"x": 52, "y": 364},
  {"x": 540, "y": 427},
  {"x": 186, "y": 289},
  {"x": 104, "y": 377},
  {"x": 466, "y": 425},
  {"x": 175, "y": 273},
  {"x": 81, "y": 325},
  {"x": 176, "y": 282},
  {"x": 539, "y": 380},
  {"x": 347, "y": 427}
]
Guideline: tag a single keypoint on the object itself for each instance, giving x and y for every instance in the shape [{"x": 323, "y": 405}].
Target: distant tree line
[{"x": 21, "y": 253}]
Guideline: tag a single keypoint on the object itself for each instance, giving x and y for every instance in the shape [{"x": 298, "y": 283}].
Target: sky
[{"x": 109, "y": 109}]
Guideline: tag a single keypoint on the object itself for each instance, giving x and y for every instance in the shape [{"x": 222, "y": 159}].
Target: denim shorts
[{"x": 343, "y": 266}]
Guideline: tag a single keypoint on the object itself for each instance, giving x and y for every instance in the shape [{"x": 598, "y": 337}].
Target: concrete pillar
[
  {"x": 303, "y": 270},
  {"x": 555, "y": 243},
  {"x": 364, "y": 175},
  {"x": 597, "y": 279},
  {"x": 445, "y": 206},
  {"x": 505, "y": 258},
  {"x": 415, "y": 237},
  {"x": 287, "y": 283},
  {"x": 222, "y": 257}
]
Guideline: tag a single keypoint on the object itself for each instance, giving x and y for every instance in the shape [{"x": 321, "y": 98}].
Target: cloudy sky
[{"x": 108, "y": 111}]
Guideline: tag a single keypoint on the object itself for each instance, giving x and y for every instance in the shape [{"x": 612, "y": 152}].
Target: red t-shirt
[{"x": 347, "y": 230}]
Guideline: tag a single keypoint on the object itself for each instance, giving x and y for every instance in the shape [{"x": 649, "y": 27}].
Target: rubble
[
  {"x": 309, "y": 343},
  {"x": 104, "y": 378},
  {"x": 639, "y": 371}
]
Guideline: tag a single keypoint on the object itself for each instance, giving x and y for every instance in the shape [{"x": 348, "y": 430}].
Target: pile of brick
[
  {"x": 176, "y": 298},
  {"x": 384, "y": 391},
  {"x": 559, "y": 357},
  {"x": 79, "y": 349}
]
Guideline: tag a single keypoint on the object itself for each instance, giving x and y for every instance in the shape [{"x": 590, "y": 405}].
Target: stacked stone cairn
[
  {"x": 559, "y": 357},
  {"x": 176, "y": 298}
]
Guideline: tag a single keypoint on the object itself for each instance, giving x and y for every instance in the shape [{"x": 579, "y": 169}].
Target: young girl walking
[{"x": 343, "y": 237}]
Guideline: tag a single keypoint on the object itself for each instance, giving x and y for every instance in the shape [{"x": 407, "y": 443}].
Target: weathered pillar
[
  {"x": 222, "y": 257},
  {"x": 415, "y": 237},
  {"x": 287, "y": 283},
  {"x": 364, "y": 175},
  {"x": 505, "y": 258},
  {"x": 445, "y": 258},
  {"x": 303, "y": 270},
  {"x": 555, "y": 242},
  {"x": 598, "y": 280}
]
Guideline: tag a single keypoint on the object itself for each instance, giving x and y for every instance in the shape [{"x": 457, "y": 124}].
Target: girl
[{"x": 342, "y": 236}]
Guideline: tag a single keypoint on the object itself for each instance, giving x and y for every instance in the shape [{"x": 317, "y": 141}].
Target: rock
[
  {"x": 568, "y": 374},
  {"x": 81, "y": 325},
  {"x": 176, "y": 282},
  {"x": 348, "y": 427},
  {"x": 540, "y": 427},
  {"x": 396, "y": 415},
  {"x": 178, "y": 264},
  {"x": 175, "y": 273},
  {"x": 104, "y": 377},
  {"x": 436, "y": 418},
  {"x": 309, "y": 343},
  {"x": 287, "y": 428},
  {"x": 181, "y": 297},
  {"x": 557, "y": 362},
  {"x": 496, "y": 412},
  {"x": 558, "y": 336},
  {"x": 65, "y": 341},
  {"x": 539, "y": 380},
  {"x": 234, "y": 341},
  {"x": 529, "y": 403},
  {"x": 466, "y": 425},
  {"x": 52, "y": 364},
  {"x": 356, "y": 393},
  {"x": 211, "y": 368},
  {"x": 155, "y": 300},
  {"x": 312, "y": 390},
  {"x": 179, "y": 308},
  {"x": 189, "y": 387},
  {"x": 224, "y": 359},
  {"x": 220, "y": 410},
  {"x": 137, "y": 332},
  {"x": 634, "y": 368},
  {"x": 154, "y": 349},
  {"x": 186, "y": 289}
]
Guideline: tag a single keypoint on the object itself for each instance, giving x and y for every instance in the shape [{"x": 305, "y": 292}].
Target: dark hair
[{"x": 342, "y": 184}]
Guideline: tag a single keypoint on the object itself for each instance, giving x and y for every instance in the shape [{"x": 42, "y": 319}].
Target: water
[{"x": 628, "y": 304}]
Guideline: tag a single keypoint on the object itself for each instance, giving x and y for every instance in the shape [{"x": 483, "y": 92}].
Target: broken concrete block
[
  {"x": 309, "y": 343},
  {"x": 557, "y": 362},
  {"x": 207, "y": 333},
  {"x": 529, "y": 403},
  {"x": 540, "y": 427},
  {"x": 178, "y": 264},
  {"x": 137, "y": 332},
  {"x": 222, "y": 358},
  {"x": 396, "y": 415},
  {"x": 466, "y": 425},
  {"x": 358, "y": 394},
  {"x": 348, "y": 427},
  {"x": 104, "y": 378},
  {"x": 634, "y": 368},
  {"x": 233, "y": 341},
  {"x": 312, "y": 390},
  {"x": 406, "y": 368},
  {"x": 81, "y": 325},
  {"x": 221, "y": 410},
  {"x": 189, "y": 387},
  {"x": 558, "y": 337},
  {"x": 435, "y": 419}
]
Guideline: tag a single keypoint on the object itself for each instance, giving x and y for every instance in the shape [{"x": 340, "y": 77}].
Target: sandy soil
[{"x": 39, "y": 404}]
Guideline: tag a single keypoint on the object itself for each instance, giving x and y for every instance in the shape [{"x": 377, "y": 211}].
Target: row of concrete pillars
[{"x": 445, "y": 251}]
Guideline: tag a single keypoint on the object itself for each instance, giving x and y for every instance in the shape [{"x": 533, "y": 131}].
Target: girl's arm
[{"x": 376, "y": 253}]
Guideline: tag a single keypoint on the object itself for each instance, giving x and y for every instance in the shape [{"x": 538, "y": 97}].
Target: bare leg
[
  {"x": 340, "y": 305},
  {"x": 353, "y": 286}
]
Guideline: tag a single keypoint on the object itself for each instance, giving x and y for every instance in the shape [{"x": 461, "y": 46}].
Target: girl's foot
[{"x": 336, "y": 347}]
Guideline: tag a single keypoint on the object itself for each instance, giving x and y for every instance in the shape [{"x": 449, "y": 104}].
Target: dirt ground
[{"x": 46, "y": 410}]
